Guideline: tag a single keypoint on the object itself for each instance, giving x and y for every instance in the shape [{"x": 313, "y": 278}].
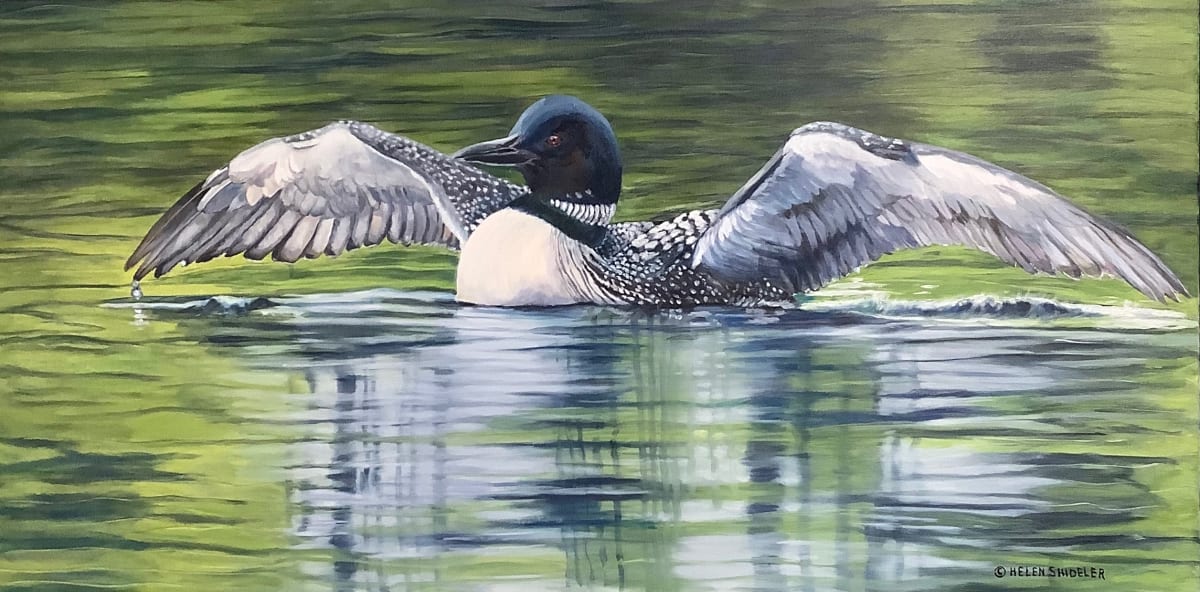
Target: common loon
[{"x": 831, "y": 200}]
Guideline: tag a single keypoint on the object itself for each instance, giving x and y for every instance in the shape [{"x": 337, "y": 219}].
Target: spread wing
[
  {"x": 337, "y": 188},
  {"x": 835, "y": 198}
]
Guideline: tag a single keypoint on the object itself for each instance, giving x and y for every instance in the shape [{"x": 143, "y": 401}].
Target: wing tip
[{"x": 1177, "y": 292}]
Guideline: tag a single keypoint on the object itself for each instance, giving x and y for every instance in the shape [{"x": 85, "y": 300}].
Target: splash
[
  {"x": 1031, "y": 311},
  {"x": 213, "y": 305},
  {"x": 991, "y": 308},
  {"x": 974, "y": 306}
]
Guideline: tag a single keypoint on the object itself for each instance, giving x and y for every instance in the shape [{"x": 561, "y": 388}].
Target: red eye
[{"x": 554, "y": 141}]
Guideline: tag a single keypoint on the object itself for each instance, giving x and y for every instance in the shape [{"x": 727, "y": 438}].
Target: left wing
[
  {"x": 343, "y": 186},
  {"x": 835, "y": 198}
]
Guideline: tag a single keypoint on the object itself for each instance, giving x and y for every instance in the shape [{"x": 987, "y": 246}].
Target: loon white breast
[
  {"x": 517, "y": 259},
  {"x": 831, "y": 200}
]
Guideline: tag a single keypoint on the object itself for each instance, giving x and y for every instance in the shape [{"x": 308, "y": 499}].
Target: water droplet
[{"x": 135, "y": 290}]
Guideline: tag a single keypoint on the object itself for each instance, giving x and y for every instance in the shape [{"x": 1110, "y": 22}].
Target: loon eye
[{"x": 554, "y": 141}]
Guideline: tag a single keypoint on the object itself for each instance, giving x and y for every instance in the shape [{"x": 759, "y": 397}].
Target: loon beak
[{"x": 502, "y": 152}]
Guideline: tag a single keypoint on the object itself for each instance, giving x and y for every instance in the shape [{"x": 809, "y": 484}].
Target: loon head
[{"x": 565, "y": 149}]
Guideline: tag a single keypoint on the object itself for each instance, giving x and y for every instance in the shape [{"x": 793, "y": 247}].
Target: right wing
[
  {"x": 835, "y": 198},
  {"x": 337, "y": 188}
]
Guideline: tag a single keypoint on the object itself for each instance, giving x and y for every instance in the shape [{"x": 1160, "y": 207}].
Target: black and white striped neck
[
  {"x": 582, "y": 207},
  {"x": 572, "y": 215}
]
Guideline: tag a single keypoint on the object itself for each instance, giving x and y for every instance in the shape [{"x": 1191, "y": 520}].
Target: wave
[
  {"x": 212, "y": 305},
  {"x": 973, "y": 309},
  {"x": 363, "y": 300},
  {"x": 974, "y": 306},
  {"x": 1029, "y": 308}
]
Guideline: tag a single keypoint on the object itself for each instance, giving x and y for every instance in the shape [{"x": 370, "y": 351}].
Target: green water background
[{"x": 159, "y": 453}]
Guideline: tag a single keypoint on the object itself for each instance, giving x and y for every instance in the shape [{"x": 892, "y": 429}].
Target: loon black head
[{"x": 565, "y": 149}]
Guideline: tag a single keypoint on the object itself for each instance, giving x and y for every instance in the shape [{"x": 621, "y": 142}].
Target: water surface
[{"x": 344, "y": 425}]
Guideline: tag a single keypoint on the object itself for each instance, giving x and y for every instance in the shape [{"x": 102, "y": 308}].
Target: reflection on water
[
  {"x": 448, "y": 447},
  {"x": 391, "y": 440}
]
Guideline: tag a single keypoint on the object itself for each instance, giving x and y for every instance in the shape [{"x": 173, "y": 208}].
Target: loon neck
[{"x": 581, "y": 221}]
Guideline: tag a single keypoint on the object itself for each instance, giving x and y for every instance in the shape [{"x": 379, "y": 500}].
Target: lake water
[{"x": 344, "y": 425}]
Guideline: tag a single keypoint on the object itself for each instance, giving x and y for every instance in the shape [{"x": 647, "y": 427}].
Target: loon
[{"x": 833, "y": 199}]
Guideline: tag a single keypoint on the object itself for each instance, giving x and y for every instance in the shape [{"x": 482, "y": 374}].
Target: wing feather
[
  {"x": 835, "y": 198},
  {"x": 343, "y": 186},
  {"x": 396, "y": 227},
  {"x": 263, "y": 222},
  {"x": 274, "y": 235},
  {"x": 358, "y": 234},
  {"x": 157, "y": 235},
  {"x": 202, "y": 250},
  {"x": 377, "y": 226},
  {"x": 320, "y": 238},
  {"x": 340, "y": 237},
  {"x": 420, "y": 222},
  {"x": 291, "y": 249}
]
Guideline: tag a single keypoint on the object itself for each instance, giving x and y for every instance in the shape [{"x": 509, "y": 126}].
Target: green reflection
[{"x": 162, "y": 454}]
